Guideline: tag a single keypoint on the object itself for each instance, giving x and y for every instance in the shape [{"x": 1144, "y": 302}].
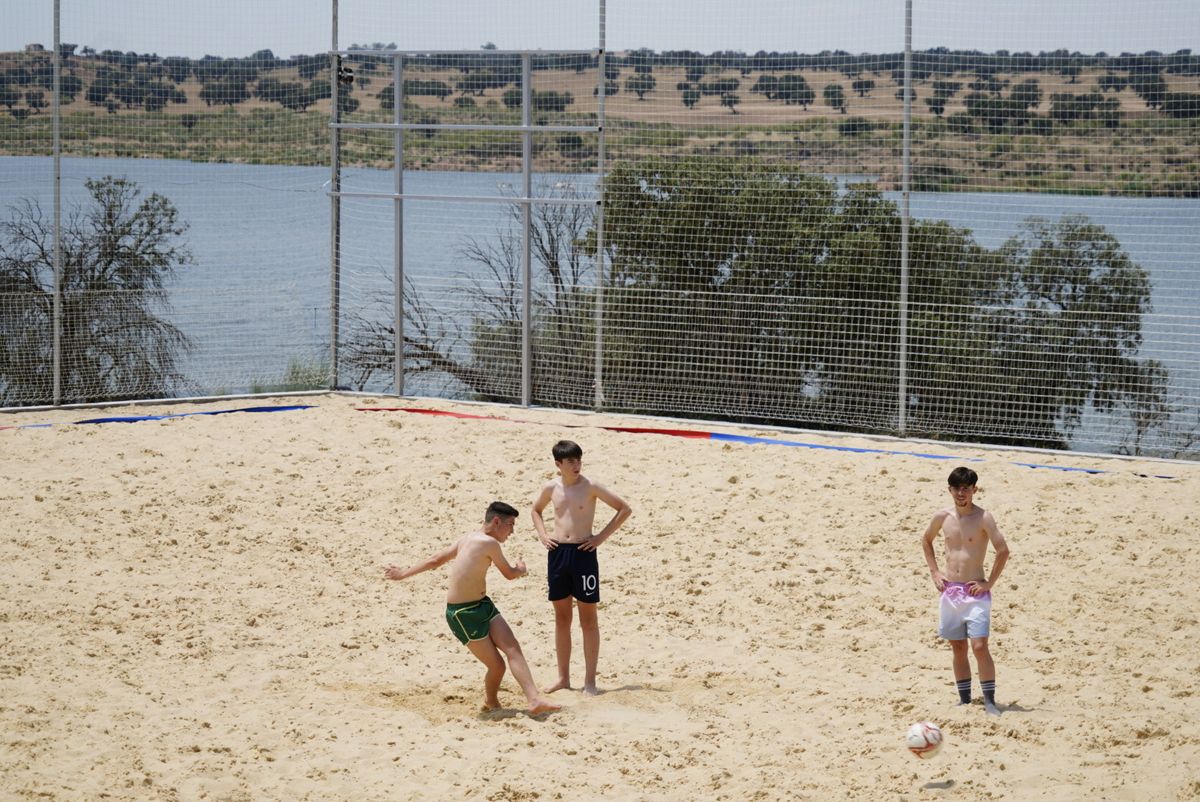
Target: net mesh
[{"x": 1036, "y": 286}]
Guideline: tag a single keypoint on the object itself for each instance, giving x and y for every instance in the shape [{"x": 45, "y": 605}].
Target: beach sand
[{"x": 194, "y": 609}]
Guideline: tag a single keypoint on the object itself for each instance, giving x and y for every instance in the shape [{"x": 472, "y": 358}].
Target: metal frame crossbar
[{"x": 525, "y": 200}]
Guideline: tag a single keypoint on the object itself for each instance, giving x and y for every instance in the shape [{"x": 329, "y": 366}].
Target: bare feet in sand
[
  {"x": 562, "y": 684},
  {"x": 591, "y": 690},
  {"x": 541, "y": 706}
]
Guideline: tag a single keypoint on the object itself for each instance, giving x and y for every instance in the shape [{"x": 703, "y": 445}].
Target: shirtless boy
[
  {"x": 472, "y": 617},
  {"x": 572, "y": 567},
  {"x": 966, "y": 604}
]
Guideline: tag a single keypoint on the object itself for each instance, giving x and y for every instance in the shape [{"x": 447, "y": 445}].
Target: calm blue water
[{"x": 257, "y": 296}]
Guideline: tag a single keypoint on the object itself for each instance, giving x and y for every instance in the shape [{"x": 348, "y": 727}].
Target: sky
[{"x": 196, "y": 28}]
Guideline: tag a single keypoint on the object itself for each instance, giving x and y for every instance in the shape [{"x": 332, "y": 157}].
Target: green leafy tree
[
  {"x": 863, "y": 86},
  {"x": 1184, "y": 105},
  {"x": 1049, "y": 324},
  {"x": 640, "y": 84},
  {"x": 835, "y": 97},
  {"x": 70, "y": 86},
  {"x": 9, "y": 96},
  {"x": 229, "y": 92},
  {"x": 347, "y": 103},
  {"x": 766, "y": 85},
  {"x": 690, "y": 97},
  {"x": 551, "y": 101},
  {"x": 1026, "y": 94},
  {"x": 118, "y": 256},
  {"x": 97, "y": 93},
  {"x": 309, "y": 66},
  {"x": 439, "y": 89},
  {"x": 946, "y": 89},
  {"x": 321, "y": 90},
  {"x": 178, "y": 68},
  {"x": 387, "y": 98},
  {"x": 795, "y": 91},
  {"x": 1151, "y": 87},
  {"x": 730, "y": 101}
]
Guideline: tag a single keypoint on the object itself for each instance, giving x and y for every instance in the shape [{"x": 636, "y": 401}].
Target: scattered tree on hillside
[
  {"x": 794, "y": 90},
  {"x": 9, "y": 96},
  {"x": 863, "y": 86},
  {"x": 835, "y": 97},
  {"x": 766, "y": 85},
  {"x": 640, "y": 84}
]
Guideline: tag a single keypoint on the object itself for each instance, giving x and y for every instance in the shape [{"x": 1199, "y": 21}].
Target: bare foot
[
  {"x": 558, "y": 686},
  {"x": 591, "y": 690},
  {"x": 490, "y": 706},
  {"x": 541, "y": 706}
]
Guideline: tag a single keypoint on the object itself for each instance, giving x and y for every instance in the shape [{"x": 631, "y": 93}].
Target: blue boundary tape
[
  {"x": 737, "y": 438},
  {"x": 139, "y": 418}
]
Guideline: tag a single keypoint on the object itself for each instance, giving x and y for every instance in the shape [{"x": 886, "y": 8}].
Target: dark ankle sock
[
  {"x": 989, "y": 691},
  {"x": 964, "y": 690}
]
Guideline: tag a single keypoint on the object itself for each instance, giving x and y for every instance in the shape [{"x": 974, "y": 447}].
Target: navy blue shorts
[{"x": 572, "y": 572}]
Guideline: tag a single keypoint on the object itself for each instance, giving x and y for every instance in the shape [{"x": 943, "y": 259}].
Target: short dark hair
[
  {"x": 499, "y": 508},
  {"x": 963, "y": 477},
  {"x": 566, "y": 449}
]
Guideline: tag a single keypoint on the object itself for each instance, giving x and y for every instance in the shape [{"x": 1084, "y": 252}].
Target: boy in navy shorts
[{"x": 573, "y": 572}]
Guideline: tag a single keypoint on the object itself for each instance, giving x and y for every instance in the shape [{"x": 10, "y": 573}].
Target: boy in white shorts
[{"x": 966, "y": 603}]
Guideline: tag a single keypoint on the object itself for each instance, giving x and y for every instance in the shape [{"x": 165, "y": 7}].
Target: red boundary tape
[{"x": 626, "y": 429}]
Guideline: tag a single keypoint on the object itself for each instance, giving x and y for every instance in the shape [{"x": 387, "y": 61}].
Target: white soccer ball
[{"x": 924, "y": 739}]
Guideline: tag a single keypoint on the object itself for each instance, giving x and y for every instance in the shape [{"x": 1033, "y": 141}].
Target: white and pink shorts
[{"x": 963, "y": 615}]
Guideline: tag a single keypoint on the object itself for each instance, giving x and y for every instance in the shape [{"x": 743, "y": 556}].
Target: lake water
[{"x": 257, "y": 297}]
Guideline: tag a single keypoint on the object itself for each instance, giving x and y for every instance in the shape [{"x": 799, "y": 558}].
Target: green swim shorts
[{"x": 471, "y": 620}]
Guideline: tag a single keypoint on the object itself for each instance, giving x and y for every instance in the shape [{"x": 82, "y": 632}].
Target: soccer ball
[{"x": 924, "y": 739}]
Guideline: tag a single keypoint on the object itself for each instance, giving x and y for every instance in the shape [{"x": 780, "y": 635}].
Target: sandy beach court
[{"x": 193, "y": 608}]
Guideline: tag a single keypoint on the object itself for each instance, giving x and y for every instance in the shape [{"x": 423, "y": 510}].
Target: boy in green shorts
[{"x": 472, "y": 617}]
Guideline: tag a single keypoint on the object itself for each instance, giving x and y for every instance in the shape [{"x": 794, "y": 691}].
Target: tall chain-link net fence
[{"x": 1000, "y": 249}]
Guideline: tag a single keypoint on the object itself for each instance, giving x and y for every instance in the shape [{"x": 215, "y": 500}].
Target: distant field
[{"x": 1140, "y": 151}]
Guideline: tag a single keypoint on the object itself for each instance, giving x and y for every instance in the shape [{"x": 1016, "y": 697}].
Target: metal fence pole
[
  {"x": 398, "y": 225},
  {"x": 56, "y": 344},
  {"x": 335, "y": 209},
  {"x": 905, "y": 187},
  {"x": 598, "y": 375},
  {"x": 527, "y": 238}
]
